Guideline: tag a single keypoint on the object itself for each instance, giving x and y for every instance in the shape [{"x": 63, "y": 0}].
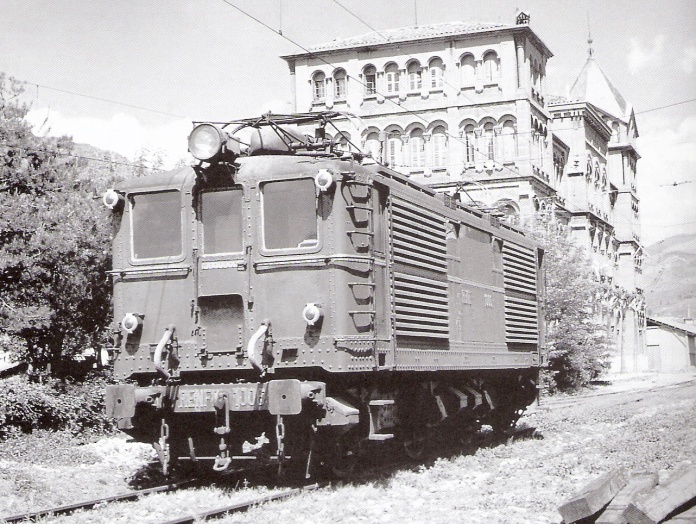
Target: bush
[{"x": 26, "y": 406}]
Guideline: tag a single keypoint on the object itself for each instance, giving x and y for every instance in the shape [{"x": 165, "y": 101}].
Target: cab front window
[
  {"x": 156, "y": 225},
  {"x": 222, "y": 219},
  {"x": 290, "y": 214}
]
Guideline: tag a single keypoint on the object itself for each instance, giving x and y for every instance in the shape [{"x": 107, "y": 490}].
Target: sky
[{"x": 168, "y": 63}]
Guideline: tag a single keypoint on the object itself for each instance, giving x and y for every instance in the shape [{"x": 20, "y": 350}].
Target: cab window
[
  {"x": 290, "y": 214},
  {"x": 156, "y": 224},
  {"x": 222, "y": 219}
]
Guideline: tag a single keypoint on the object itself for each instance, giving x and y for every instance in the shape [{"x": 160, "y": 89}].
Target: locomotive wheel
[
  {"x": 504, "y": 420},
  {"x": 415, "y": 442},
  {"x": 343, "y": 459}
]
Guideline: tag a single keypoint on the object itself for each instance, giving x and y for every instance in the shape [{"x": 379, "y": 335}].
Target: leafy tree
[
  {"x": 576, "y": 339},
  {"x": 54, "y": 236}
]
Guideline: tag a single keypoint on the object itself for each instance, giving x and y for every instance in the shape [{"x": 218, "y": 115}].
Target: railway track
[
  {"x": 566, "y": 401},
  {"x": 135, "y": 495},
  {"x": 243, "y": 506},
  {"x": 91, "y": 504},
  {"x": 482, "y": 440}
]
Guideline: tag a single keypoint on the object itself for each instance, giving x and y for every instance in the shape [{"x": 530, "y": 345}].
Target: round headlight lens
[{"x": 205, "y": 142}]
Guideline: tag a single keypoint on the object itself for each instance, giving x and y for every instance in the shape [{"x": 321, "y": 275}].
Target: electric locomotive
[{"x": 287, "y": 302}]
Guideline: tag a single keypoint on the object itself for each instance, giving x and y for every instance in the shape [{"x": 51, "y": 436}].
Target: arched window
[
  {"x": 508, "y": 208},
  {"x": 616, "y": 132},
  {"x": 439, "y": 145},
  {"x": 414, "y": 76},
  {"x": 394, "y": 149},
  {"x": 470, "y": 143},
  {"x": 436, "y": 73},
  {"x": 370, "y": 80},
  {"x": 319, "y": 86},
  {"x": 417, "y": 146},
  {"x": 468, "y": 70},
  {"x": 373, "y": 146},
  {"x": 490, "y": 66},
  {"x": 508, "y": 140},
  {"x": 488, "y": 148},
  {"x": 342, "y": 140},
  {"x": 340, "y": 85},
  {"x": 391, "y": 74}
]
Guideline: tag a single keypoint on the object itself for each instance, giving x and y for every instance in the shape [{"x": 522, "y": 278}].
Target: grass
[{"x": 517, "y": 484}]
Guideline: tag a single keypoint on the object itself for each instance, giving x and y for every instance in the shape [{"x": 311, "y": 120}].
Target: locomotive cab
[{"x": 282, "y": 297}]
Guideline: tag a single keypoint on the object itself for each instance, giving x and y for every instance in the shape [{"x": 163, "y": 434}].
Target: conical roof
[{"x": 593, "y": 86}]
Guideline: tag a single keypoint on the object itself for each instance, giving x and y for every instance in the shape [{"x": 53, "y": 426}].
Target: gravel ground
[{"x": 639, "y": 422}]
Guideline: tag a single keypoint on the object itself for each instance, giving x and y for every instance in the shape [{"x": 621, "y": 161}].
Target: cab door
[{"x": 222, "y": 269}]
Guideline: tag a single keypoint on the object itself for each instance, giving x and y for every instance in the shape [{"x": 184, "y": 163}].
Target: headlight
[
  {"x": 206, "y": 141},
  {"x": 130, "y": 323}
]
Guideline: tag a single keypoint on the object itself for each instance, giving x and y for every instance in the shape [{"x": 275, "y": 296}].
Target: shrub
[{"x": 53, "y": 405}]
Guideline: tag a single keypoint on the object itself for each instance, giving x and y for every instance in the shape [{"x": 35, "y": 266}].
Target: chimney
[{"x": 522, "y": 18}]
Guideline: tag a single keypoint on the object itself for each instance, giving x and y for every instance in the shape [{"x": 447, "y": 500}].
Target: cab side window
[{"x": 290, "y": 214}]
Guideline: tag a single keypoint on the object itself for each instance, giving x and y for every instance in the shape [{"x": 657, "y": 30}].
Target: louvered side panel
[
  {"x": 521, "y": 320},
  {"x": 521, "y": 309},
  {"x": 421, "y": 306},
  {"x": 519, "y": 269},
  {"x": 418, "y": 237}
]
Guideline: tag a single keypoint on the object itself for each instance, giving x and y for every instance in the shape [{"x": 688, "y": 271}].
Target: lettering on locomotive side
[
  {"x": 488, "y": 300},
  {"x": 466, "y": 297}
]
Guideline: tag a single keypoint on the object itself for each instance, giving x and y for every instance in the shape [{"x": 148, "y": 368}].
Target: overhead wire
[
  {"x": 280, "y": 33},
  {"x": 101, "y": 99},
  {"x": 72, "y": 155},
  {"x": 459, "y": 186},
  {"x": 518, "y": 134},
  {"x": 321, "y": 59}
]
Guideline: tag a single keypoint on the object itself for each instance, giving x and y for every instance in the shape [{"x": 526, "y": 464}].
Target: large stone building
[{"x": 464, "y": 108}]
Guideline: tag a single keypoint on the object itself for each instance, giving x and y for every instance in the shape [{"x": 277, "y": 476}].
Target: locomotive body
[{"x": 297, "y": 300}]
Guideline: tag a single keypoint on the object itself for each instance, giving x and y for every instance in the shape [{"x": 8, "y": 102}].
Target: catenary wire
[
  {"x": 72, "y": 155},
  {"x": 405, "y": 110}
]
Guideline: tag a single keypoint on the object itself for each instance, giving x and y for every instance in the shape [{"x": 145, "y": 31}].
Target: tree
[
  {"x": 54, "y": 238},
  {"x": 576, "y": 339}
]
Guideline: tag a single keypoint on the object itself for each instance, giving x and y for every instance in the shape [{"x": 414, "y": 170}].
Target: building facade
[{"x": 463, "y": 108}]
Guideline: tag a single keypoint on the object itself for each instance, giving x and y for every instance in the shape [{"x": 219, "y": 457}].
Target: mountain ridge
[{"x": 669, "y": 275}]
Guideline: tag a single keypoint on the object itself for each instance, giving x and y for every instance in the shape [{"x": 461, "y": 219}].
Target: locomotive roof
[{"x": 178, "y": 178}]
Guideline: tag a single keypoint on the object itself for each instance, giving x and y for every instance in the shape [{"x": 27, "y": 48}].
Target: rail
[
  {"x": 244, "y": 506},
  {"x": 91, "y": 504}
]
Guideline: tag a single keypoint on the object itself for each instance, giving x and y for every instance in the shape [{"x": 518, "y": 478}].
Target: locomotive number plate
[{"x": 240, "y": 397}]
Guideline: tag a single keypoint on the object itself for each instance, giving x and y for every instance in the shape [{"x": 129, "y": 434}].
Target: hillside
[
  {"x": 105, "y": 166},
  {"x": 669, "y": 273}
]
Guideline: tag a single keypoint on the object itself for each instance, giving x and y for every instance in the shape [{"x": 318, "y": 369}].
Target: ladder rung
[
  {"x": 381, "y": 436},
  {"x": 382, "y": 402}
]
